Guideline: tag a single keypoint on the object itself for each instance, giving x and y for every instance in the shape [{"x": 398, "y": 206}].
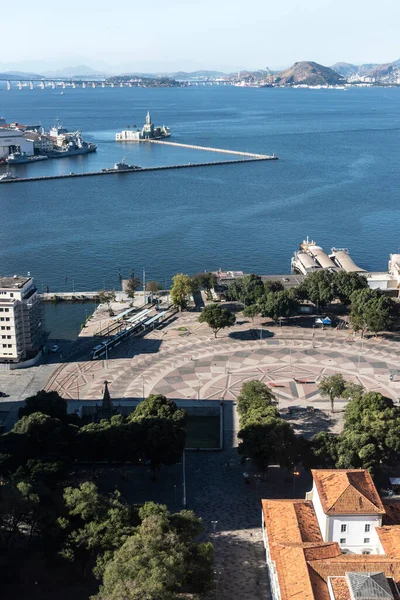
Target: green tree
[
  {"x": 318, "y": 287},
  {"x": 47, "y": 403},
  {"x": 153, "y": 286},
  {"x": 160, "y": 561},
  {"x": 106, "y": 297},
  {"x": 268, "y": 440},
  {"x": 204, "y": 281},
  {"x": 333, "y": 386},
  {"x": 131, "y": 287},
  {"x": 324, "y": 450},
  {"x": 163, "y": 441},
  {"x": 272, "y": 286},
  {"x": 157, "y": 405},
  {"x": 217, "y": 317},
  {"x": 344, "y": 284},
  {"x": 248, "y": 290},
  {"x": 253, "y": 395},
  {"x": 181, "y": 290},
  {"x": 252, "y": 311},
  {"x": 94, "y": 526},
  {"x": 278, "y": 304},
  {"x": 370, "y": 309}
]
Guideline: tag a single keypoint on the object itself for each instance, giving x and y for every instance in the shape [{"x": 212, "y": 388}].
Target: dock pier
[{"x": 246, "y": 157}]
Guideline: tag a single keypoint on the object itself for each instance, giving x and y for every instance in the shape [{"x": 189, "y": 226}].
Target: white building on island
[{"x": 148, "y": 132}]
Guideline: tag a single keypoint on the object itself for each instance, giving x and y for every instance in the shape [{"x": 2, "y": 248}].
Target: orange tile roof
[
  {"x": 347, "y": 491},
  {"x": 389, "y": 536},
  {"x": 340, "y": 588},
  {"x": 291, "y": 521},
  {"x": 361, "y": 563}
]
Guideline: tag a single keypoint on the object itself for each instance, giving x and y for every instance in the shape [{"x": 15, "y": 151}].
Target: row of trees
[
  {"x": 154, "y": 433},
  {"x": 370, "y": 309},
  {"x": 370, "y": 438},
  {"x": 135, "y": 552}
]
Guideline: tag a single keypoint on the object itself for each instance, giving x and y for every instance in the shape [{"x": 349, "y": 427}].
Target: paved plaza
[{"x": 182, "y": 360}]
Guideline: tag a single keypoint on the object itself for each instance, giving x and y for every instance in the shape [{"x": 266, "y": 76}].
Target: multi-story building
[
  {"x": 21, "y": 319},
  {"x": 341, "y": 543}
]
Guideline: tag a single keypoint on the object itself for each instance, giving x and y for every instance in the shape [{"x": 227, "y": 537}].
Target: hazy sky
[{"x": 188, "y": 34}]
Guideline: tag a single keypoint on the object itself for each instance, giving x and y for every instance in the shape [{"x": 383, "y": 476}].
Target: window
[
  {"x": 366, "y": 552},
  {"x": 342, "y": 540},
  {"x": 366, "y": 540},
  {"x": 367, "y": 528},
  {"x": 343, "y": 528}
]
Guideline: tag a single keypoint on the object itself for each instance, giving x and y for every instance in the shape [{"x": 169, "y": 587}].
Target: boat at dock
[
  {"x": 312, "y": 257},
  {"x": 7, "y": 177},
  {"x": 122, "y": 166},
  {"x": 20, "y": 158}
]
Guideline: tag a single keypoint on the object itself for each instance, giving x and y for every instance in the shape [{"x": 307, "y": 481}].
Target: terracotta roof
[
  {"x": 347, "y": 491},
  {"x": 340, "y": 588},
  {"x": 291, "y": 521},
  {"x": 389, "y": 537},
  {"x": 361, "y": 563}
]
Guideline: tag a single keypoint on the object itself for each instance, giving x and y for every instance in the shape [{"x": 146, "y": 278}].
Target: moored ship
[
  {"x": 121, "y": 167},
  {"x": 67, "y": 143},
  {"x": 20, "y": 158}
]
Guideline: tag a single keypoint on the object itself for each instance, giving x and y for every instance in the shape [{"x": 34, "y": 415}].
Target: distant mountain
[
  {"x": 195, "y": 74},
  {"x": 79, "y": 71},
  {"x": 308, "y": 73},
  {"x": 345, "y": 69},
  {"x": 20, "y": 75},
  {"x": 386, "y": 73}
]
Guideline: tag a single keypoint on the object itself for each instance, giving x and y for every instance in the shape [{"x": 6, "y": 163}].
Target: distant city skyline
[{"x": 211, "y": 35}]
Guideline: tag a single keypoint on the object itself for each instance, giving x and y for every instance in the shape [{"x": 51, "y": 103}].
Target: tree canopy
[
  {"x": 318, "y": 287},
  {"x": 217, "y": 317},
  {"x": 157, "y": 405},
  {"x": 344, "y": 284},
  {"x": 47, "y": 403},
  {"x": 160, "y": 561},
  {"x": 333, "y": 386},
  {"x": 370, "y": 309},
  {"x": 248, "y": 290},
  {"x": 181, "y": 290},
  {"x": 278, "y": 304}
]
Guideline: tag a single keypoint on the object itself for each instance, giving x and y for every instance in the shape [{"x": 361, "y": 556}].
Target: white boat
[{"x": 7, "y": 177}]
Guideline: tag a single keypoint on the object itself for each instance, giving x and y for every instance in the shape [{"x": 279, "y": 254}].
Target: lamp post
[
  {"x": 184, "y": 477},
  {"x": 296, "y": 473},
  {"x": 214, "y": 526},
  {"x": 359, "y": 355}
]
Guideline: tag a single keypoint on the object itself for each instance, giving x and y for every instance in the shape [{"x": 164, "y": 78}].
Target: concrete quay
[{"x": 251, "y": 158}]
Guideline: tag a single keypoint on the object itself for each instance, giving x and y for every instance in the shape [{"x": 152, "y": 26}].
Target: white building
[
  {"x": 21, "y": 321},
  {"x": 348, "y": 509},
  {"x": 148, "y": 132},
  {"x": 12, "y": 140},
  {"x": 306, "y": 555}
]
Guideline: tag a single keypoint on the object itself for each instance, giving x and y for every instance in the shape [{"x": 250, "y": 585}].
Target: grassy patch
[{"x": 202, "y": 431}]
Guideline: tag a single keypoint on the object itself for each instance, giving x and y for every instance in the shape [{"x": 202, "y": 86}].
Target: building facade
[
  {"x": 306, "y": 555},
  {"x": 21, "y": 320},
  {"x": 12, "y": 140}
]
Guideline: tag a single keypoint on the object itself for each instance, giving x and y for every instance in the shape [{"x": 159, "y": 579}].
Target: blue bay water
[{"x": 337, "y": 181}]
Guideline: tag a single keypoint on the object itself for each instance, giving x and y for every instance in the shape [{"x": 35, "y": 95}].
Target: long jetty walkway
[
  {"x": 210, "y": 149},
  {"x": 247, "y": 157}
]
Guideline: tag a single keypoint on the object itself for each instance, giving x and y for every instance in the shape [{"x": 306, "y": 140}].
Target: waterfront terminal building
[{"x": 21, "y": 320}]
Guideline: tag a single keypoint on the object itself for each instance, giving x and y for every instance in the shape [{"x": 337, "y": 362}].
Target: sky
[{"x": 170, "y": 35}]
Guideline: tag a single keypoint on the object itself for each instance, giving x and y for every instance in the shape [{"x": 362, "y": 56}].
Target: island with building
[{"x": 149, "y": 131}]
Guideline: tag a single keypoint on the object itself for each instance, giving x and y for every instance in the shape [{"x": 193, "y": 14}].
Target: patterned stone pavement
[{"x": 183, "y": 361}]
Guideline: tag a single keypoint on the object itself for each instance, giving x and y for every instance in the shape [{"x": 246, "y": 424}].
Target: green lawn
[{"x": 202, "y": 431}]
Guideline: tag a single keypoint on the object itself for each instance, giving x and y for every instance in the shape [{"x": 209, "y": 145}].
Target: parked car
[{"x": 3, "y": 395}]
